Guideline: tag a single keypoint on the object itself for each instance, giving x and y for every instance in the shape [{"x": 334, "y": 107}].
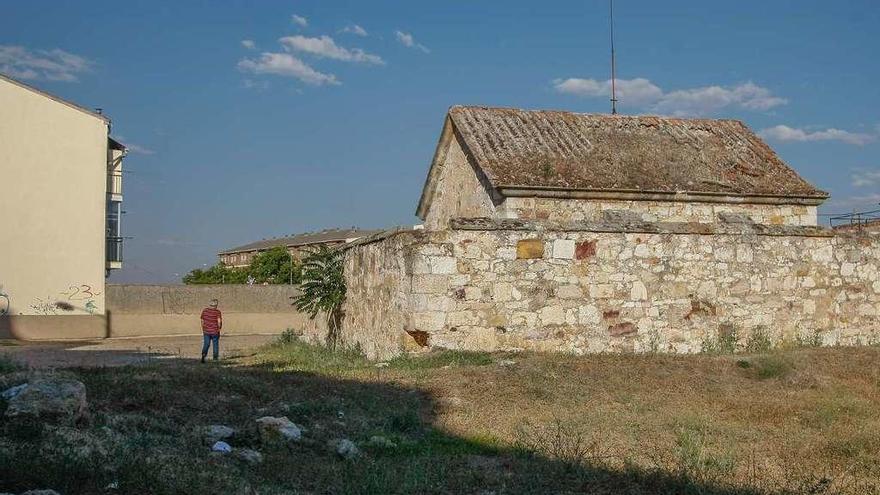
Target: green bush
[
  {"x": 772, "y": 366},
  {"x": 759, "y": 341},
  {"x": 323, "y": 288},
  {"x": 724, "y": 342}
]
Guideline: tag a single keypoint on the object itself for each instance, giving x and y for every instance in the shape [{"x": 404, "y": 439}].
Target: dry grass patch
[{"x": 794, "y": 421}]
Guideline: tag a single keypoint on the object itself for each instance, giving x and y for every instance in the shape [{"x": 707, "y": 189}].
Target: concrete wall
[
  {"x": 53, "y": 166},
  {"x": 157, "y": 310},
  {"x": 139, "y": 310},
  {"x": 595, "y": 287}
]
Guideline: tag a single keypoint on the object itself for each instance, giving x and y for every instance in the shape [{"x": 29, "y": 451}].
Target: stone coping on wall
[
  {"x": 627, "y": 226},
  {"x": 379, "y": 236}
]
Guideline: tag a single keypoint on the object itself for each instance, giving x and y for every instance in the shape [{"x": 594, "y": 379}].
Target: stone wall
[
  {"x": 592, "y": 287},
  {"x": 574, "y": 210},
  {"x": 458, "y": 191},
  {"x": 377, "y": 307}
]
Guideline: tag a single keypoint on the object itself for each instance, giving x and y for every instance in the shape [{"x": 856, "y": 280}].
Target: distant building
[
  {"x": 62, "y": 193},
  {"x": 296, "y": 245}
]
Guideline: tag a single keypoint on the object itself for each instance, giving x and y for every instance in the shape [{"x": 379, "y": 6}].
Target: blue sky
[{"x": 257, "y": 119}]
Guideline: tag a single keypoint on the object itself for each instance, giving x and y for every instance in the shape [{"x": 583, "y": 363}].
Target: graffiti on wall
[
  {"x": 44, "y": 306},
  {"x": 75, "y": 297},
  {"x": 4, "y": 302},
  {"x": 82, "y": 294}
]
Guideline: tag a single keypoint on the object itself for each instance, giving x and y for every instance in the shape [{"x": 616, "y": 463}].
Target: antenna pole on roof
[{"x": 613, "y": 89}]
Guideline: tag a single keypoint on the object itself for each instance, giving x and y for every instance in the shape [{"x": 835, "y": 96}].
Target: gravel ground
[{"x": 123, "y": 351}]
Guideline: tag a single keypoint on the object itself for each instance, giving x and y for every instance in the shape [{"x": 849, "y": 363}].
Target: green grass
[
  {"x": 7, "y": 365},
  {"x": 441, "y": 359}
]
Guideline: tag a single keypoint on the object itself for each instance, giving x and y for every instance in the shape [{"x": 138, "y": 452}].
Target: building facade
[
  {"x": 297, "y": 245},
  {"x": 61, "y": 206}
]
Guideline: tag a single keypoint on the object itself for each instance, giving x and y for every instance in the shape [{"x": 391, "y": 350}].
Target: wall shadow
[{"x": 185, "y": 395}]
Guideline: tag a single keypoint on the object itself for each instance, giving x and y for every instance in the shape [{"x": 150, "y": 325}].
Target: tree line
[{"x": 274, "y": 266}]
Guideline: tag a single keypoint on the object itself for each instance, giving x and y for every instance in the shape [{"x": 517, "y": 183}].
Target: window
[{"x": 114, "y": 231}]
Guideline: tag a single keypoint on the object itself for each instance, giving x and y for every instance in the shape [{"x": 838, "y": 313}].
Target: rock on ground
[
  {"x": 221, "y": 447},
  {"x": 278, "y": 430},
  {"x": 347, "y": 449},
  {"x": 49, "y": 400},
  {"x": 13, "y": 392},
  {"x": 216, "y": 433},
  {"x": 249, "y": 456}
]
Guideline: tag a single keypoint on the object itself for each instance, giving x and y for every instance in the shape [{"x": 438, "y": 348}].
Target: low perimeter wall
[
  {"x": 142, "y": 310},
  {"x": 157, "y": 310},
  {"x": 596, "y": 287}
]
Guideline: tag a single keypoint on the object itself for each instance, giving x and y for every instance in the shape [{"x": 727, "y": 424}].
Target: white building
[{"x": 61, "y": 177}]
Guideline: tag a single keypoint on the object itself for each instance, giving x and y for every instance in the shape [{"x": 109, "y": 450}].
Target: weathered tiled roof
[
  {"x": 575, "y": 151},
  {"x": 329, "y": 235}
]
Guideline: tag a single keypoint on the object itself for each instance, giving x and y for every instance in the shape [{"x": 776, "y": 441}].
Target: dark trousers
[{"x": 208, "y": 339}]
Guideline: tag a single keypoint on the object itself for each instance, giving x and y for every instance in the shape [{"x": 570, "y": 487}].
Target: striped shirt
[{"x": 211, "y": 321}]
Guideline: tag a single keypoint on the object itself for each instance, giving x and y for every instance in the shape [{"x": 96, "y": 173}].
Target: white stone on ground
[
  {"x": 221, "y": 446},
  {"x": 278, "y": 430}
]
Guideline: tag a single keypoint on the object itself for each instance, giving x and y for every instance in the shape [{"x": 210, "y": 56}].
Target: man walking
[{"x": 212, "y": 322}]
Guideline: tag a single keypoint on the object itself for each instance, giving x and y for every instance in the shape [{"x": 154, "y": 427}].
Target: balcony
[
  {"x": 114, "y": 252},
  {"x": 114, "y": 185}
]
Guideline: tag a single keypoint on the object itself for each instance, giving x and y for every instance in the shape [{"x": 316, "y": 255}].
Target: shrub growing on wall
[{"x": 323, "y": 288}]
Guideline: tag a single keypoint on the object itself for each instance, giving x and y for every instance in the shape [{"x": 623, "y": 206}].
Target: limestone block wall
[
  {"x": 589, "y": 287},
  {"x": 574, "y": 210},
  {"x": 379, "y": 283},
  {"x": 458, "y": 191}
]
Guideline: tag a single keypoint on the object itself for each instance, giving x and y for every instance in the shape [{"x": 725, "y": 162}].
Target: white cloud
[
  {"x": 53, "y": 65},
  {"x": 327, "y": 48},
  {"x": 249, "y": 44},
  {"x": 865, "y": 202},
  {"x": 256, "y": 85},
  {"x": 138, "y": 149},
  {"x": 407, "y": 40},
  {"x": 355, "y": 29},
  {"x": 285, "y": 64},
  {"x": 299, "y": 20},
  {"x": 865, "y": 178},
  {"x": 641, "y": 92},
  {"x": 786, "y": 133},
  {"x": 637, "y": 91},
  {"x": 134, "y": 148}
]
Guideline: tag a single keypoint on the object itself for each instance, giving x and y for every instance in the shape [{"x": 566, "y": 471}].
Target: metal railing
[
  {"x": 114, "y": 249},
  {"x": 855, "y": 220}
]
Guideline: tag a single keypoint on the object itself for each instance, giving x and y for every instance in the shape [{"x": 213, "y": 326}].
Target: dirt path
[{"x": 123, "y": 351}]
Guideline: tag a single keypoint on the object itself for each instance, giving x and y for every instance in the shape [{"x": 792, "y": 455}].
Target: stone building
[
  {"x": 296, "y": 245},
  {"x": 561, "y": 166},
  {"x": 559, "y": 231}
]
